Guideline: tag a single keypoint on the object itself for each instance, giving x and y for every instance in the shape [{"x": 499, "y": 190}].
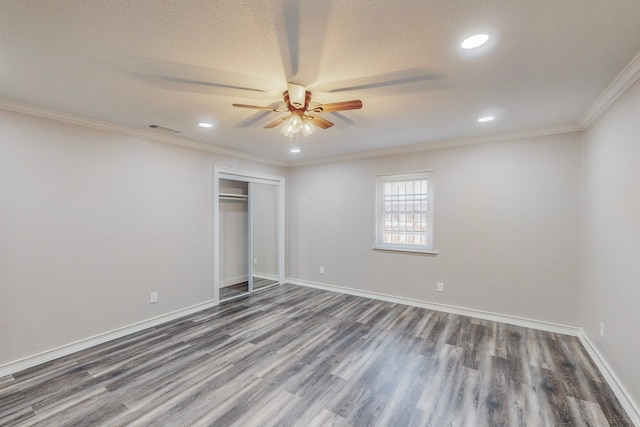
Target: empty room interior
[{"x": 349, "y": 213}]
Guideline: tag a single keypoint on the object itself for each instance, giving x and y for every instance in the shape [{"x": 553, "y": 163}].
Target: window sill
[{"x": 396, "y": 249}]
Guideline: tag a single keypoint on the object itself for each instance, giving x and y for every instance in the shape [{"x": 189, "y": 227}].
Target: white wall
[
  {"x": 506, "y": 227},
  {"x": 234, "y": 242},
  {"x": 91, "y": 222},
  {"x": 611, "y": 230},
  {"x": 234, "y": 234}
]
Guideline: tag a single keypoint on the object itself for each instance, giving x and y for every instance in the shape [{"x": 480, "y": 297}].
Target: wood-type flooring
[
  {"x": 242, "y": 288},
  {"x": 295, "y": 356}
]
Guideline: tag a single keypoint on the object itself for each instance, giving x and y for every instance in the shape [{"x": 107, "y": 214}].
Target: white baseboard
[
  {"x": 633, "y": 410},
  {"x": 245, "y": 278},
  {"x": 265, "y": 276},
  {"x": 619, "y": 390},
  {"x": 479, "y": 314},
  {"x": 616, "y": 385},
  {"x": 233, "y": 281},
  {"x": 65, "y": 350}
]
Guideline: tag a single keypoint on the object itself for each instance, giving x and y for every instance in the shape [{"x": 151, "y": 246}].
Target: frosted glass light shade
[{"x": 308, "y": 128}]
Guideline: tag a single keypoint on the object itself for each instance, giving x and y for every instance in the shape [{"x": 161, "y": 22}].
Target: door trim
[{"x": 220, "y": 172}]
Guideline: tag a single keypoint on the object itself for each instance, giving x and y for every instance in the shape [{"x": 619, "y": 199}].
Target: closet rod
[{"x": 228, "y": 196}]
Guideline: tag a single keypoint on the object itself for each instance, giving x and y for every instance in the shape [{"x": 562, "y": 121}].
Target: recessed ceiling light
[
  {"x": 205, "y": 125},
  {"x": 486, "y": 119},
  {"x": 474, "y": 41}
]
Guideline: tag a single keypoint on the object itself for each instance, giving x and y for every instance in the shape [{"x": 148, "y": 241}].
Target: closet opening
[{"x": 248, "y": 232}]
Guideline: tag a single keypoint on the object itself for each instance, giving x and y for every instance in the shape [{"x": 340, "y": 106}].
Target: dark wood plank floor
[
  {"x": 234, "y": 290},
  {"x": 242, "y": 288},
  {"x": 299, "y": 356},
  {"x": 260, "y": 282}
]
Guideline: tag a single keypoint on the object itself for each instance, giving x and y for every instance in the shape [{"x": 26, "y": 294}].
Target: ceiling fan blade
[
  {"x": 256, "y": 107},
  {"x": 320, "y": 122},
  {"x": 355, "y": 104},
  {"x": 172, "y": 79},
  {"x": 276, "y": 122},
  {"x": 297, "y": 94}
]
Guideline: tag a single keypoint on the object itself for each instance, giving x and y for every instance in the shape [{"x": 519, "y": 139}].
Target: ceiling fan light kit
[
  {"x": 307, "y": 127},
  {"x": 294, "y": 124},
  {"x": 297, "y": 99}
]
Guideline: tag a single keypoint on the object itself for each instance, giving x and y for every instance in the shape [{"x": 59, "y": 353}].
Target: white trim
[
  {"x": 139, "y": 133},
  {"x": 619, "y": 390},
  {"x": 402, "y": 249},
  {"x": 67, "y": 349},
  {"x": 250, "y": 220},
  {"x": 470, "y": 312},
  {"x": 616, "y": 385},
  {"x": 265, "y": 276},
  {"x": 616, "y": 88},
  {"x": 612, "y": 379},
  {"x": 627, "y": 77},
  {"x": 215, "y": 235},
  {"x": 381, "y": 212},
  {"x": 220, "y": 172},
  {"x": 248, "y": 176},
  {"x": 197, "y": 145},
  {"x": 401, "y": 176},
  {"x": 437, "y": 145}
]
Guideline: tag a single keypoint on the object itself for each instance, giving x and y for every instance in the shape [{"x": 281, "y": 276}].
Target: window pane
[{"x": 404, "y": 203}]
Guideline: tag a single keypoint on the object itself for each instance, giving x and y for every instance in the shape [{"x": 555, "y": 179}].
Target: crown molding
[
  {"x": 628, "y": 76},
  {"x": 46, "y": 113},
  {"x": 555, "y": 130},
  {"x": 197, "y": 145}
]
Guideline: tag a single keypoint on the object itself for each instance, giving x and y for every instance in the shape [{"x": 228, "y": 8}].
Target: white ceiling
[{"x": 178, "y": 62}]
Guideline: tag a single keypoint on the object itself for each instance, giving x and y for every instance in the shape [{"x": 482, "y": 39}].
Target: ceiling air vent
[{"x": 164, "y": 129}]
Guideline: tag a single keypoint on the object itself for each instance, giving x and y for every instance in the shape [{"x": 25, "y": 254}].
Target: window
[{"x": 404, "y": 212}]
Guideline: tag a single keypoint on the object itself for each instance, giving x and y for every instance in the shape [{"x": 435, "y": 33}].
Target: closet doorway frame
[{"x": 219, "y": 173}]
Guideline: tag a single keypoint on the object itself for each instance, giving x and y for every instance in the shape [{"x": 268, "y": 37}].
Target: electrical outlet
[
  {"x": 154, "y": 297},
  {"x": 322, "y": 269},
  {"x": 601, "y": 329},
  {"x": 440, "y": 286},
  {"x": 255, "y": 261}
]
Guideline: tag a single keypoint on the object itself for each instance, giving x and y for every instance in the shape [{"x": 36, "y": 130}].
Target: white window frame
[{"x": 379, "y": 243}]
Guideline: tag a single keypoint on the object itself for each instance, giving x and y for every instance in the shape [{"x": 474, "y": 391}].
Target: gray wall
[
  {"x": 234, "y": 234},
  {"x": 234, "y": 242},
  {"x": 91, "y": 223},
  {"x": 611, "y": 237},
  {"x": 506, "y": 227},
  {"x": 264, "y": 217}
]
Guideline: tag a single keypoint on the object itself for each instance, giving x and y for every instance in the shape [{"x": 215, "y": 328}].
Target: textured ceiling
[{"x": 175, "y": 63}]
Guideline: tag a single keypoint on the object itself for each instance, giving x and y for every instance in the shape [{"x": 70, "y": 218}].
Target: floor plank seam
[{"x": 296, "y": 356}]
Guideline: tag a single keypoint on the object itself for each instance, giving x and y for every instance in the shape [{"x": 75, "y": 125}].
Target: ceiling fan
[{"x": 302, "y": 116}]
